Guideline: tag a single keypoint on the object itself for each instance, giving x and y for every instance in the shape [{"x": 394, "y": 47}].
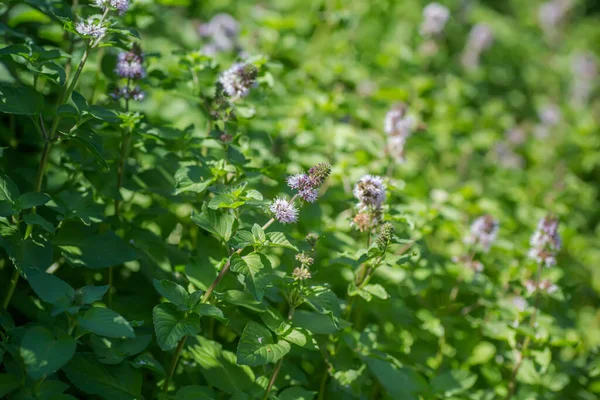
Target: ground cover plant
[{"x": 299, "y": 200}]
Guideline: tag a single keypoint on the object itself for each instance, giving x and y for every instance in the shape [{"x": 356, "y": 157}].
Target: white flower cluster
[
  {"x": 284, "y": 211},
  {"x": 584, "y": 68},
  {"x": 120, "y": 5},
  {"x": 435, "y": 17},
  {"x": 545, "y": 242},
  {"x": 545, "y": 285},
  {"x": 552, "y": 14},
  {"x": 399, "y": 127},
  {"x": 222, "y": 34},
  {"x": 480, "y": 38},
  {"x": 238, "y": 79},
  {"x": 483, "y": 232},
  {"x": 90, "y": 28},
  {"x": 370, "y": 192}
]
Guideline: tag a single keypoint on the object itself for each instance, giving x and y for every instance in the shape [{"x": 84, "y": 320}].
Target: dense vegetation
[{"x": 293, "y": 199}]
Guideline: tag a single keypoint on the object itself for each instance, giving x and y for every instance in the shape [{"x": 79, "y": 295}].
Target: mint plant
[{"x": 298, "y": 200}]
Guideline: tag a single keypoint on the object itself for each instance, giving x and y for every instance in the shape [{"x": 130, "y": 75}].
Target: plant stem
[
  {"x": 174, "y": 363},
  {"x": 279, "y": 363},
  {"x": 110, "y": 287},
  {"x": 512, "y": 385},
  {"x": 14, "y": 279}
]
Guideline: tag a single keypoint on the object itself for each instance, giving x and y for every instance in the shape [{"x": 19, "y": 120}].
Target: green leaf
[
  {"x": 219, "y": 224},
  {"x": 296, "y": 393},
  {"x": 36, "y": 219},
  {"x": 193, "y": 178},
  {"x": 32, "y": 199},
  {"x": 80, "y": 101},
  {"x": 20, "y": 100},
  {"x": 103, "y": 114},
  {"x": 242, "y": 299},
  {"x": 258, "y": 234},
  {"x": 33, "y": 252},
  {"x": 173, "y": 292},
  {"x": 8, "y": 190},
  {"x": 67, "y": 110},
  {"x": 482, "y": 353},
  {"x": 377, "y": 290},
  {"x": 278, "y": 239},
  {"x": 7, "y": 208},
  {"x": 257, "y": 347},
  {"x": 93, "y": 143},
  {"x": 256, "y": 268},
  {"x": 300, "y": 337},
  {"x": 224, "y": 201},
  {"x": 118, "y": 382},
  {"x": 170, "y": 325},
  {"x": 106, "y": 322},
  {"x": 323, "y": 300},
  {"x": 316, "y": 323},
  {"x": 242, "y": 239},
  {"x": 92, "y": 294},
  {"x": 453, "y": 382},
  {"x": 80, "y": 206},
  {"x": 399, "y": 382},
  {"x": 210, "y": 310},
  {"x": 114, "y": 351},
  {"x": 82, "y": 246},
  {"x": 195, "y": 393},
  {"x": 8, "y": 383},
  {"x": 220, "y": 369},
  {"x": 147, "y": 361},
  {"x": 50, "y": 288},
  {"x": 44, "y": 352}
]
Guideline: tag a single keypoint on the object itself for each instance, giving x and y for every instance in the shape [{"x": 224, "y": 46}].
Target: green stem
[
  {"x": 180, "y": 345},
  {"x": 279, "y": 363},
  {"x": 512, "y": 384},
  {"x": 110, "y": 287},
  {"x": 14, "y": 279}
]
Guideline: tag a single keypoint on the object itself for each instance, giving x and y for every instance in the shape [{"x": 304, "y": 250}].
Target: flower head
[
  {"x": 221, "y": 31},
  {"x": 545, "y": 285},
  {"x": 435, "y": 17},
  {"x": 119, "y": 5},
  {"x": 301, "y": 274},
  {"x": 483, "y": 232},
  {"x": 238, "y": 79},
  {"x": 284, "y": 211},
  {"x": 90, "y": 28},
  {"x": 385, "y": 237},
  {"x": 370, "y": 192},
  {"x": 307, "y": 184},
  {"x": 545, "y": 241},
  {"x": 130, "y": 64}
]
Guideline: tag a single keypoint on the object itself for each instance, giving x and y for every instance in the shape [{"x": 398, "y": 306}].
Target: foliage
[{"x": 299, "y": 200}]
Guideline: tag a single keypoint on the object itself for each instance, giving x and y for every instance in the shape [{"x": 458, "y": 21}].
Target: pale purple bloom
[
  {"x": 309, "y": 195},
  {"x": 552, "y": 14},
  {"x": 238, "y": 79},
  {"x": 545, "y": 285},
  {"x": 550, "y": 115},
  {"x": 545, "y": 242},
  {"x": 435, "y": 17},
  {"x": 370, "y": 192},
  {"x": 395, "y": 147},
  {"x": 284, "y": 211},
  {"x": 119, "y": 5},
  {"x": 519, "y": 302},
  {"x": 307, "y": 184},
  {"x": 130, "y": 64},
  {"x": 222, "y": 31},
  {"x": 480, "y": 38},
  {"x": 90, "y": 28},
  {"x": 125, "y": 92},
  {"x": 297, "y": 181},
  {"x": 483, "y": 232},
  {"x": 585, "y": 71}
]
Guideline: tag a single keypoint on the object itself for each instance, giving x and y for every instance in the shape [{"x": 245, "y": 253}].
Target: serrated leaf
[
  {"x": 278, "y": 239},
  {"x": 224, "y": 201},
  {"x": 242, "y": 299},
  {"x": 376, "y": 290},
  {"x": 170, "y": 325},
  {"x": 118, "y": 382},
  {"x": 256, "y": 268},
  {"x": 114, "y": 351},
  {"x": 92, "y": 294},
  {"x": 242, "y": 239},
  {"x": 20, "y": 100},
  {"x": 258, "y": 234},
  {"x": 172, "y": 291},
  {"x": 44, "y": 352},
  {"x": 106, "y": 322},
  {"x": 147, "y": 361},
  {"x": 220, "y": 369},
  {"x": 8, "y": 190},
  {"x": 323, "y": 300},
  {"x": 210, "y": 310},
  {"x": 257, "y": 347},
  {"x": 193, "y": 178},
  {"x": 217, "y": 223}
]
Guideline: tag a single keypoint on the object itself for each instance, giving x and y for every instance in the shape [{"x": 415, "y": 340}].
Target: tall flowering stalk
[
  {"x": 480, "y": 38},
  {"x": 544, "y": 245},
  {"x": 435, "y": 17},
  {"x": 283, "y": 211},
  {"x": 370, "y": 191}
]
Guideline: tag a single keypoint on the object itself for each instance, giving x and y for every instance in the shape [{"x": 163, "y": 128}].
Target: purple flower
[
  {"x": 90, "y": 28},
  {"x": 545, "y": 242},
  {"x": 307, "y": 184},
  {"x": 130, "y": 64},
  {"x": 284, "y": 211},
  {"x": 238, "y": 79},
  {"x": 435, "y": 17},
  {"x": 370, "y": 192},
  {"x": 222, "y": 31},
  {"x": 309, "y": 195},
  {"x": 119, "y": 5},
  {"x": 483, "y": 232}
]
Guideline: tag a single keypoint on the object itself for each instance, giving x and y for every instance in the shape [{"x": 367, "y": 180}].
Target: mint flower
[
  {"x": 545, "y": 242},
  {"x": 119, "y": 5},
  {"x": 307, "y": 184},
  {"x": 238, "y": 79},
  {"x": 435, "y": 17},
  {"x": 370, "y": 192},
  {"x": 284, "y": 211},
  {"x": 483, "y": 232},
  {"x": 90, "y": 28}
]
